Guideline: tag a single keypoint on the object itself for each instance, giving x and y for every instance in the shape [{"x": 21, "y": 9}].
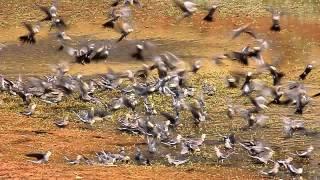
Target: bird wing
[
  {"x": 45, "y": 10},
  {"x": 70, "y": 51},
  {"x": 115, "y": 3},
  {"x": 180, "y": 5},
  {"x": 251, "y": 32},
  {"x": 137, "y": 2},
  {"x": 28, "y": 27},
  {"x": 167, "y": 115},
  {"x": 39, "y": 156}
]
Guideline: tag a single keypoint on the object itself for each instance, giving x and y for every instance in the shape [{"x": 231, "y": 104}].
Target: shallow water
[{"x": 296, "y": 46}]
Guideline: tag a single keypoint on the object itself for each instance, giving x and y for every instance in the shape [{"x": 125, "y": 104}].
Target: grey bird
[
  {"x": 41, "y": 157},
  {"x": 174, "y": 120},
  {"x": 187, "y": 7},
  {"x": 149, "y": 108},
  {"x": 272, "y": 172},
  {"x": 221, "y": 156},
  {"x": 175, "y": 161},
  {"x": 254, "y": 147},
  {"x": 290, "y": 126},
  {"x": 285, "y": 162},
  {"x": 29, "y": 110},
  {"x": 196, "y": 141},
  {"x": 62, "y": 123},
  {"x": 197, "y": 114},
  {"x": 265, "y": 156},
  {"x": 124, "y": 28},
  {"x": 196, "y": 65},
  {"x": 62, "y": 36},
  {"x": 232, "y": 82},
  {"x": 231, "y": 111},
  {"x": 152, "y": 142},
  {"x": 305, "y": 154},
  {"x": 74, "y": 161},
  {"x": 141, "y": 160},
  {"x": 87, "y": 116},
  {"x": 192, "y": 145},
  {"x": 244, "y": 29},
  {"x": 117, "y": 14},
  {"x": 293, "y": 170},
  {"x": 172, "y": 142},
  {"x": 229, "y": 140}
]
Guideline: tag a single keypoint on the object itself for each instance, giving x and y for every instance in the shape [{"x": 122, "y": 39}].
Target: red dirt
[{"x": 18, "y": 138}]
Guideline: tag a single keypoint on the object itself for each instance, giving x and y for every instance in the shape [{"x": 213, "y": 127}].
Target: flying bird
[
  {"x": 244, "y": 29},
  {"x": 32, "y": 31},
  {"x": 210, "y": 16},
  {"x": 187, "y": 7},
  {"x": 276, "y": 15}
]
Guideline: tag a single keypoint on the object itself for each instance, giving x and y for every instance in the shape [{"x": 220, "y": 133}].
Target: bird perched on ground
[
  {"x": 151, "y": 144},
  {"x": 74, "y": 161},
  {"x": 265, "y": 156},
  {"x": 272, "y": 172},
  {"x": 195, "y": 66},
  {"x": 174, "y": 120},
  {"x": 141, "y": 159},
  {"x": 305, "y": 154},
  {"x": 29, "y": 110},
  {"x": 229, "y": 140},
  {"x": 41, "y": 157},
  {"x": 63, "y": 122},
  {"x": 32, "y": 31},
  {"x": 172, "y": 142},
  {"x": 290, "y": 126},
  {"x": 221, "y": 156},
  {"x": 293, "y": 170},
  {"x": 175, "y": 161}
]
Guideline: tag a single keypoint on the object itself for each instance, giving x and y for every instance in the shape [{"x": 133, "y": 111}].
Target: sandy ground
[{"x": 18, "y": 137}]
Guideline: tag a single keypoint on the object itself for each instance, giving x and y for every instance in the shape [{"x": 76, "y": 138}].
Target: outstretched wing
[{"x": 35, "y": 155}]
